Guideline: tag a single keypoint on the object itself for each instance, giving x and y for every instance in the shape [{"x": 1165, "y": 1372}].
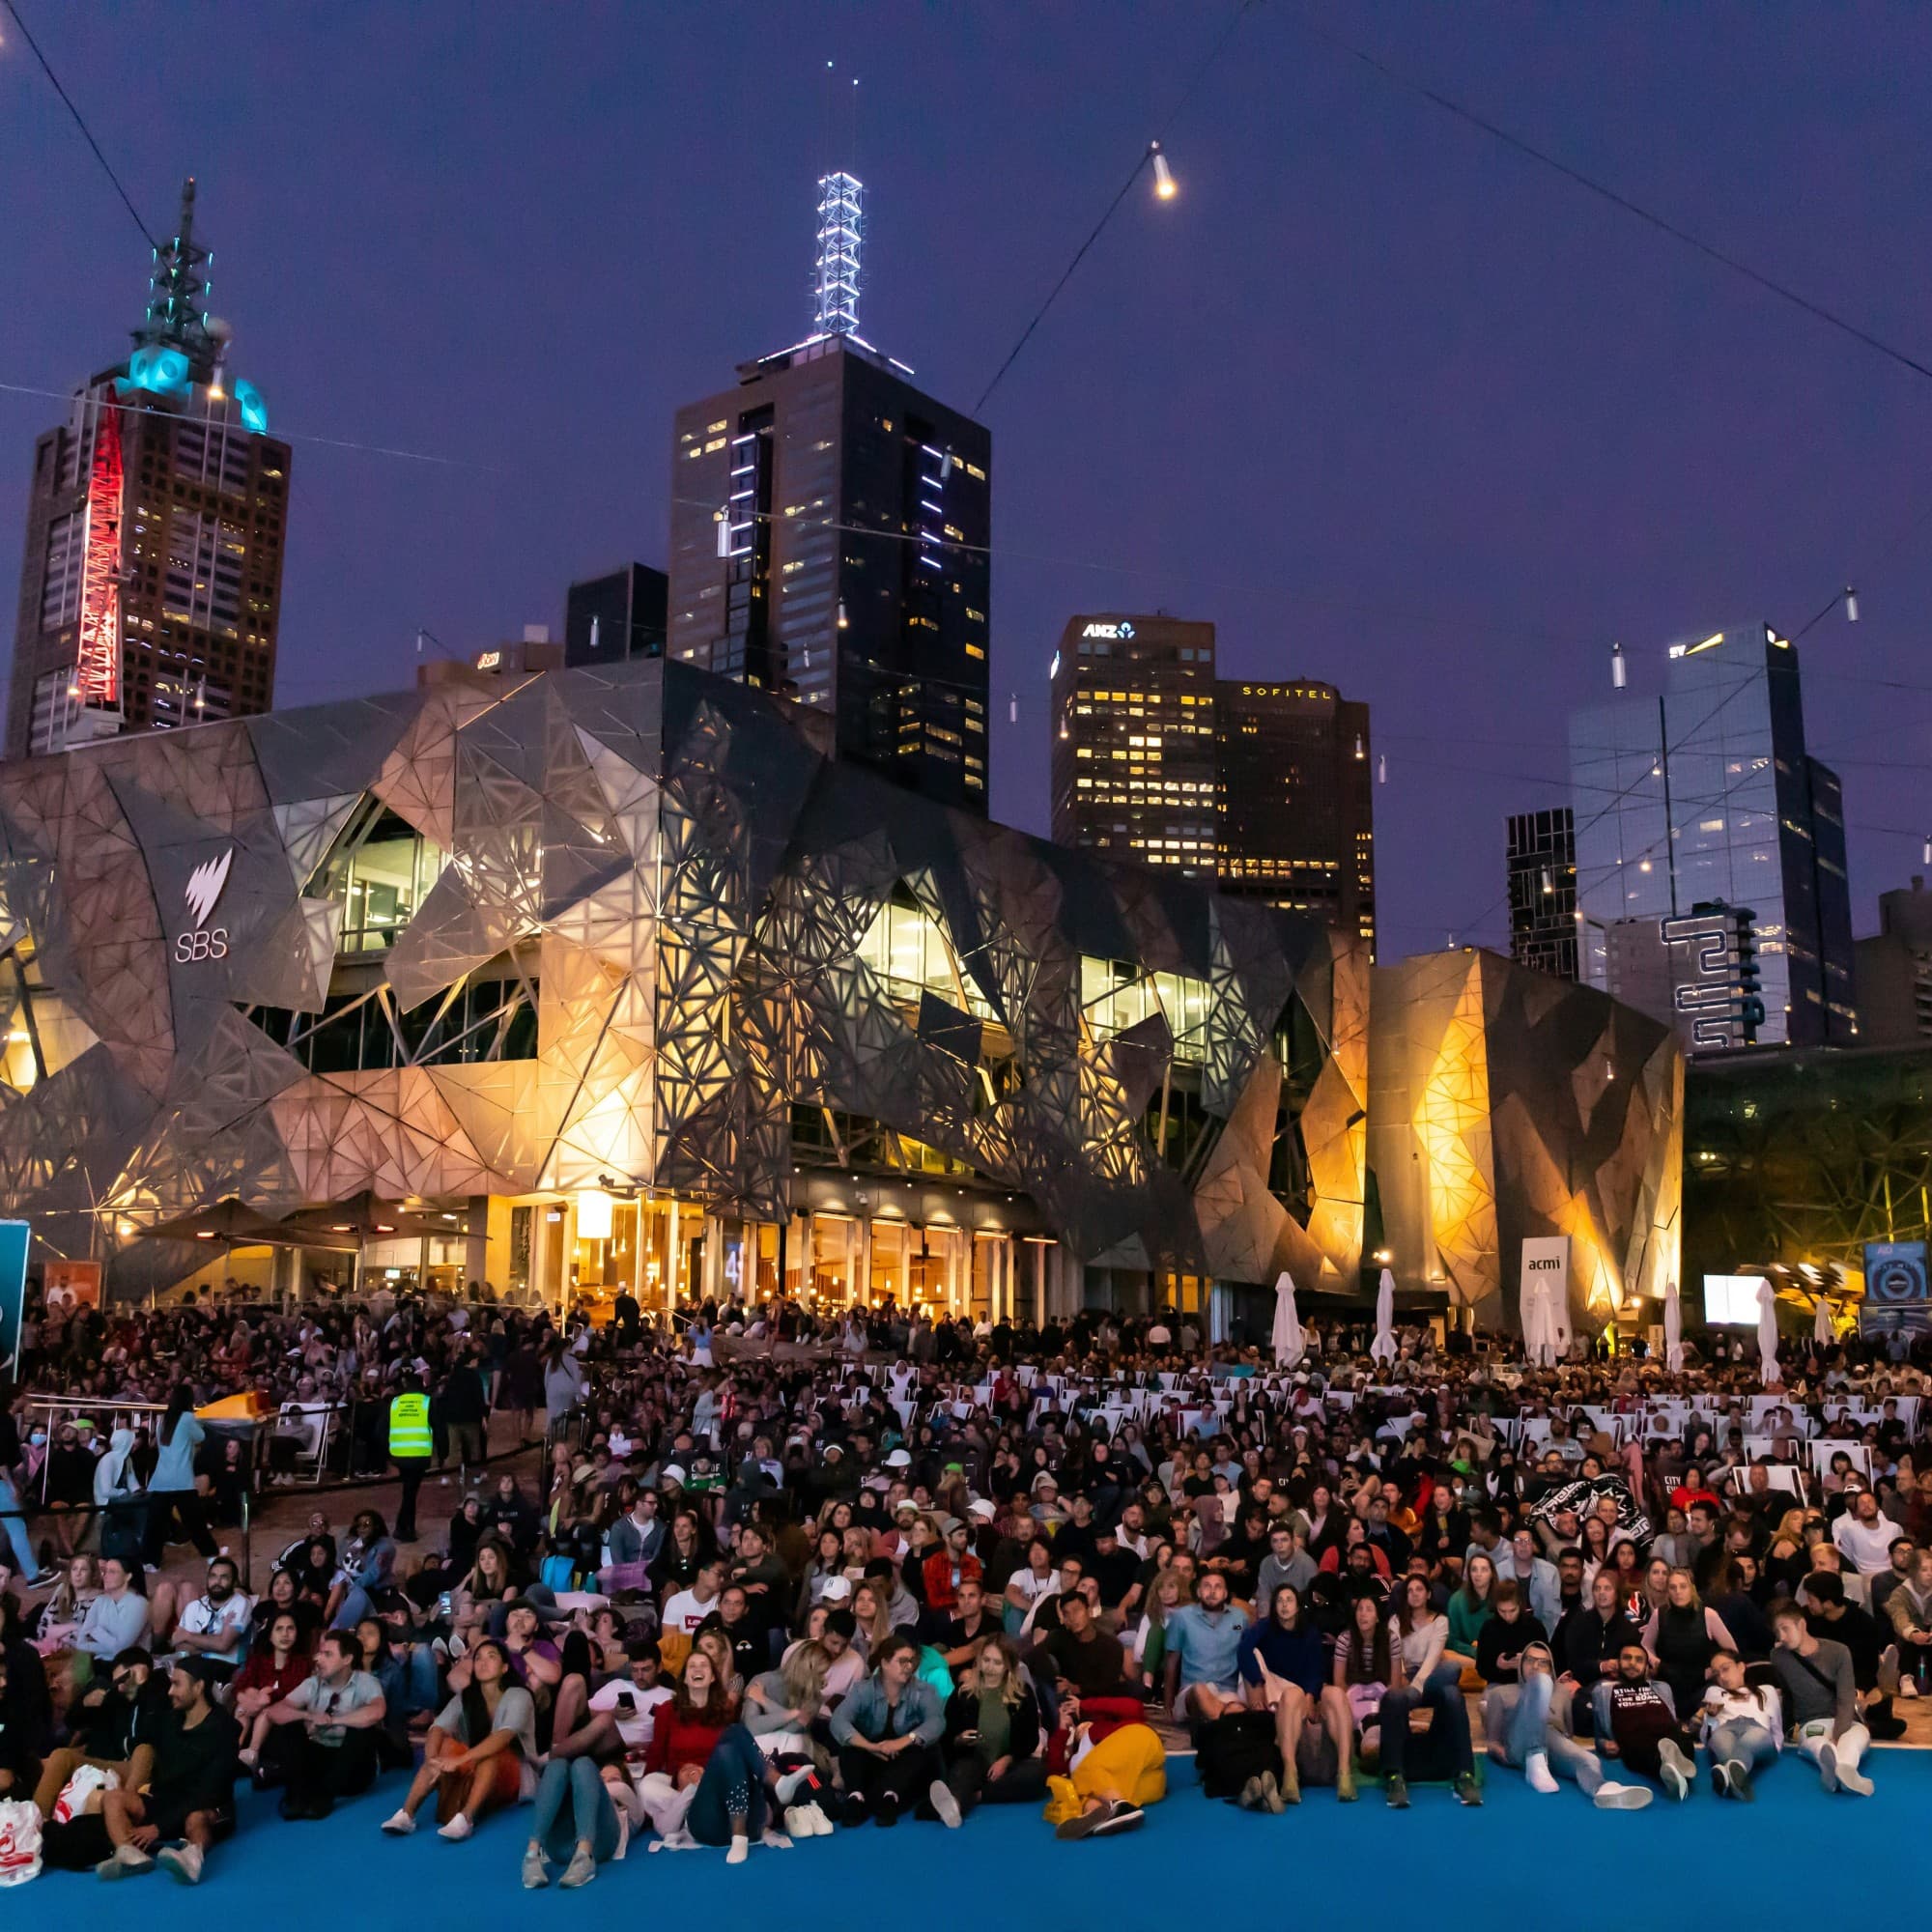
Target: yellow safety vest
[{"x": 409, "y": 1426}]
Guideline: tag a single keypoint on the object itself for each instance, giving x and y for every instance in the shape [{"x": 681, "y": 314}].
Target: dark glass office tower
[
  {"x": 1706, "y": 795},
  {"x": 152, "y": 583},
  {"x": 1541, "y": 859},
  {"x": 829, "y": 531},
  {"x": 607, "y": 619}
]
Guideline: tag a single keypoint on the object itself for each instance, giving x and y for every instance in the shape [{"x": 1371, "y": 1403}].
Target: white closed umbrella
[
  {"x": 1289, "y": 1344},
  {"x": 1767, "y": 1333},
  {"x": 1673, "y": 1330},
  {"x": 1529, "y": 1306},
  {"x": 1383, "y": 1347},
  {"x": 1822, "y": 1331}
]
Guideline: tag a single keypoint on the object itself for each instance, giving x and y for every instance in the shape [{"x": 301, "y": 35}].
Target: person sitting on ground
[
  {"x": 1517, "y": 1721},
  {"x": 888, "y": 1734},
  {"x": 217, "y": 1624},
  {"x": 480, "y": 1752},
  {"x": 1638, "y": 1723},
  {"x": 1821, "y": 1700},
  {"x": 1507, "y": 1634},
  {"x": 117, "y": 1619},
  {"x": 275, "y": 1667},
  {"x": 1419, "y": 1633},
  {"x": 1080, "y": 1655},
  {"x": 1909, "y": 1607},
  {"x": 583, "y": 1800},
  {"x": 1204, "y": 1641},
  {"x": 322, "y": 1738},
  {"x": 1282, "y": 1670},
  {"x": 1743, "y": 1726},
  {"x": 114, "y": 1722},
  {"x": 187, "y": 1805},
  {"x": 993, "y": 1731},
  {"x": 1469, "y": 1612},
  {"x": 1682, "y": 1638}
]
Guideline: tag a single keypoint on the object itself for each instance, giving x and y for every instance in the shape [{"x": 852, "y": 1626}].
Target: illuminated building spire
[
  {"x": 177, "y": 290},
  {"x": 834, "y": 288}
]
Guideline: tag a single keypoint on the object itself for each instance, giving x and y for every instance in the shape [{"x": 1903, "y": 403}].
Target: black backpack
[{"x": 1235, "y": 1749}]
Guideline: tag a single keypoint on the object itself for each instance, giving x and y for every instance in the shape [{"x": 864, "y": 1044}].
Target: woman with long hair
[
  {"x": 1166, "y": 1593},
  {"x": 275, "y": 1667},
  {"x": 872, "y": 1609},
  {"x": 480, "y": 1752},
  {"x": 172, "y": 1495},
  {"x": 1681, "y": 1637},
  {"x": 1469, "y": 1609},
  {"x": 577, "y": 1816},
  {"x": 993, "y": 1731},
  {"x": 1420, "y": 1633},
  {"x": 1280, "y": 1665}
]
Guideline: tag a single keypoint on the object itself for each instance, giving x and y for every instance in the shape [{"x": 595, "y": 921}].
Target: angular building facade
[
  {"x": 151, "y": 580},
  {"x": 1506, "y": 1105},
  {"x": 1540, "y": 861},
  {"x": 612, "y": 977}
]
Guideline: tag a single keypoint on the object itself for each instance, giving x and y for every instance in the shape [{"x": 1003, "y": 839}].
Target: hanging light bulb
[
  {"x": 1012, "y": 707},
  {"x": 724, "y": 534},
  {"x": 844, "y": 622},
  {"x": 1381, "y": 768},
  {"x": 1851, "y": 605},
  {"x": 1063, "y": 730},
  {"x": 1361, "y": 751},
  {"x": 1925, "y": 852},
  {"x": 1549, "y": 884},
  {"x": 1165, "y": 186},
  {"x": 1619, "y": 671}
]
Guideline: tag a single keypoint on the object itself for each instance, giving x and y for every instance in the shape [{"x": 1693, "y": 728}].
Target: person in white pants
[{"x": 1821, "y": 1701}]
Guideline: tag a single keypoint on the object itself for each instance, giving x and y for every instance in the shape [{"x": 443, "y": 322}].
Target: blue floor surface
[{"x": 1455, "y": 1866}]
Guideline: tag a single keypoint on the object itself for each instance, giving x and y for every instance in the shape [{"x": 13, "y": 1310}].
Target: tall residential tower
[
  {"x": 830, "y": 524},
  {"x": 1265, "y": 788},
  {"x": 151, "y": 588}
]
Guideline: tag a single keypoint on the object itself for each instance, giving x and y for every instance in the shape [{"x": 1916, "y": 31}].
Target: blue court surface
[{"x": 1451, "y": 1866}]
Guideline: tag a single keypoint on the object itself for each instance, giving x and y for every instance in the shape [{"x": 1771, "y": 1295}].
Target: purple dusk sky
[{"x": 1389, "y": 404}]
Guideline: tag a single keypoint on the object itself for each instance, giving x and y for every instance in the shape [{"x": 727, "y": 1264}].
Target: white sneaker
[
  {"x": 457, "y": 1829},
  {"x": 400, "y": 1824},
  {"x": 1828, "y": 1765},
  {"x": 181, "y": 1863},
  {"x": 741, "y": 1850},
  {"x": 1613, "y": 1797},
  {"x": 1537, "y": 1774},
  {"x": 1674, "y": 1770},
  {"x": 940, "y": 1793},
  {"x": 797, "y": 1824},
  {"x": 815, "y": 1818}
]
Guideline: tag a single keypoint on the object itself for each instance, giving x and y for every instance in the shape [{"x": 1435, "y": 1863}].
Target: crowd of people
[{"x": 780, "y": 1575}]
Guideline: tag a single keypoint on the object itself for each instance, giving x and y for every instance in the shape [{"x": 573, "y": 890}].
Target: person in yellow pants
[{"x": 1105, "y": 1765}]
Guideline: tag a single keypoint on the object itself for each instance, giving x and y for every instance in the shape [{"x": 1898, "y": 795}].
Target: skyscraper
[
  {"x": 1297, "y": 800},
  {"x": 1265, "y": 788},
  {"x": 619, "y": 615},
  {"x": 151, "y": 588},
  {"x": 1133, "y": 763},
  {"x": 1542, "y": 861},
  {"x": 830, "y": 524},
  {"x": 1705, "y": 796}
]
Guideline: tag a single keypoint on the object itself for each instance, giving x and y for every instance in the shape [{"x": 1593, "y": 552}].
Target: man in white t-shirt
[
  {"x": 219, "y": 1623},
  {"x": 633, "y": 1702},
  {"x": 1864, "y": 1535},
  {"x": 687, "y": 1611}
]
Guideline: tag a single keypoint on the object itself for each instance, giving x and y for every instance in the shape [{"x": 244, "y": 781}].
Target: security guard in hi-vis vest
[{"x": 410, "y": 1446}]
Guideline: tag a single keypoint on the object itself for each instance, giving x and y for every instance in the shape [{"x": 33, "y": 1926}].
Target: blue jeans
[
  {"x": 1527, "y": 1729},
  {"x": 573, "y": 1804},
  {"x": 1450, "y": 1724},
  {"x": 26, "y": 1565},
  {"x": 1748, "y": 1744},
  {"x": 733, "y": 1786}
]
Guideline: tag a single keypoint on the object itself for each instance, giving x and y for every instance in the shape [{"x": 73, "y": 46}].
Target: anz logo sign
[
  {"x": 1121, "y": 630},
  {"x": 202, "y": 894}
]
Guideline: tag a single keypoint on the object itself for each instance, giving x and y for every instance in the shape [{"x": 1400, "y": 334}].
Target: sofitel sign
[{"x": 204, "y": 883}]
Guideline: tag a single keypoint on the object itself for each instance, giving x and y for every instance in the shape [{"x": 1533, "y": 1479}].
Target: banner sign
[{"x": 13, "y": 1291}]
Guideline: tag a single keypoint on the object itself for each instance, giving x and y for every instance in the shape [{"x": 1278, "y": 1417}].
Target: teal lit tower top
[{"x": 177, "y": 294}]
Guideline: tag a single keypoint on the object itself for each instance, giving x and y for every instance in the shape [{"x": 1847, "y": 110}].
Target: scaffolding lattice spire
[
  {"x": 835, "y": 292},
  {"x": 176, "y": 293}
]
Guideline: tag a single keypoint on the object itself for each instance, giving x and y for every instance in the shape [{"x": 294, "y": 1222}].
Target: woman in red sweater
[
  {"x": 684, "y": 1737},
  {"x": 272, "y": 1671}
]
